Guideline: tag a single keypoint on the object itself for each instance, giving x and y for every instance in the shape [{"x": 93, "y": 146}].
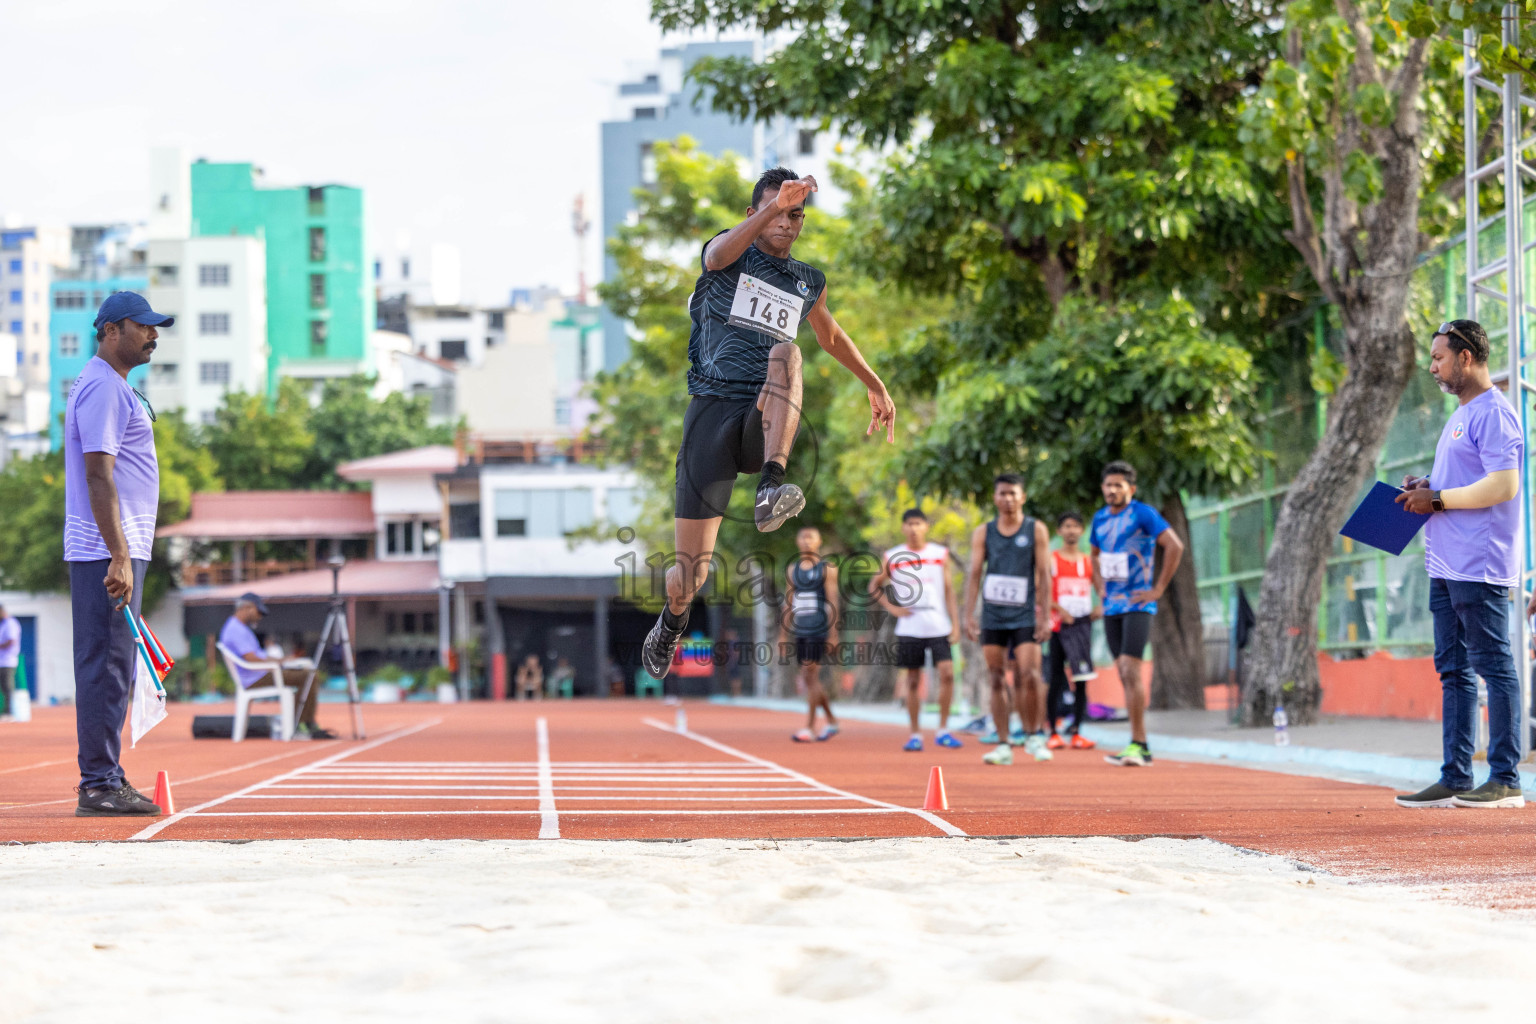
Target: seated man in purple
[{"x": 239, "y": 637}]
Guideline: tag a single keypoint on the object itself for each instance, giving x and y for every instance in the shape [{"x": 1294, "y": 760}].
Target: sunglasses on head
[{"x": 1451, "y": 330}]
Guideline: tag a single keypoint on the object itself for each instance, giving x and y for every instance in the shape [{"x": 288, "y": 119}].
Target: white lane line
[
  {"x": 445, "y": 765},
  {"x": 568, "y": 812},
  {"x": 40, "y": 764},
  {"x": 533, "y": 777},
  {"x": 928, "y": 816},
  {"x": 563, "y": 789},
  {"x": 541, "y": 797},
  {"x": 166, "y": 822},
  {"x": 549, "y": 818}
]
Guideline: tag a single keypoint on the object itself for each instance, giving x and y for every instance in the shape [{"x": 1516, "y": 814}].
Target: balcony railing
[{"x": 212, "y": 574}]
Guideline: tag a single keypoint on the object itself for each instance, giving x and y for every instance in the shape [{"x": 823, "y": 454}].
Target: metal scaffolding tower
[{"x": 1511, "y": 267}]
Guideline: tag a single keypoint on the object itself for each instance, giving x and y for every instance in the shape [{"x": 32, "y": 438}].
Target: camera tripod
[{"x": 336, "y": 620}]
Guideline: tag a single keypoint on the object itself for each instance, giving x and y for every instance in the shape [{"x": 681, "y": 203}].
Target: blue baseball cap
[{"x": 130, "y": 306}]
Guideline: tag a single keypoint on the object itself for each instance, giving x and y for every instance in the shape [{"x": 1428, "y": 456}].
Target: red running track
[{"x": 619, "y": 770}]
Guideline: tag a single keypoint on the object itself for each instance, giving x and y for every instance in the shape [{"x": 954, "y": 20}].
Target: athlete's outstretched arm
[
  {"x": 836, "y": 343},
  {"x": 726, "y": 249}
]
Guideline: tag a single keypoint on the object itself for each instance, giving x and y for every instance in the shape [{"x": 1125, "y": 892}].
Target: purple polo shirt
[
  {"x": 104, "y": 415},
  {"x": 242, "y": 642},
  {"x": 1476, "y": 545}
]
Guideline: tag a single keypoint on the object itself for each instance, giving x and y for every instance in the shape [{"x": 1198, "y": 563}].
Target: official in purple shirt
[
  {"x": 111, "y": 494},
  {"x": 1471, "y": 553}
]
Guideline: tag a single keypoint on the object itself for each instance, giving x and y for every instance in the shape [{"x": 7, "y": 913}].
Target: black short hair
[
  {"x": 914, "y": 513},
  {"x": 1008, "y": 478},
  {"x": 1119, "y": 468},
  {"x": 1072, "y": 514},
  {"x": 771, "y": 179},
  {"x": 1469, "y": 337}
]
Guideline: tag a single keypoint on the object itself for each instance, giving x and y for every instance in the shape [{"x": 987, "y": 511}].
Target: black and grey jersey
[{"x": 741, "y": 312}]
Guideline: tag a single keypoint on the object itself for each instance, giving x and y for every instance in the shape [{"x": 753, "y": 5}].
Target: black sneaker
[
  {"x": 776, "y": 504},
  {"x": 660, "y": 644},
  {"x": 122, "y": 802},
  {"x": 1491, "y": 794},
  {"x": 1438, "y": 795},
  {"x": 314, "y": 732}
]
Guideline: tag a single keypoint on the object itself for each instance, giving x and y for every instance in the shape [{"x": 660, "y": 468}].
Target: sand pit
[{"x": 731, "y": 931}]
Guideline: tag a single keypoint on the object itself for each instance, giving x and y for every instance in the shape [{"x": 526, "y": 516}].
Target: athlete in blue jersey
[
  {"x": 744, "y": 377},
  {"x": 1125, "y": 537}
]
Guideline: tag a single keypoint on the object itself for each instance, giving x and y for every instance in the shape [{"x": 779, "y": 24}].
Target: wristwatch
[{"x": 1435, "y": 502}]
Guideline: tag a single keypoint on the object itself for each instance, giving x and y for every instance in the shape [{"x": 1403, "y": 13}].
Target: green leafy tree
[
  {"x": 1363, "y": 117},
  {"x": 261, "y": 445},
  {"x": 349, "y": 423},
  {"x": 1071, "y": 174}
]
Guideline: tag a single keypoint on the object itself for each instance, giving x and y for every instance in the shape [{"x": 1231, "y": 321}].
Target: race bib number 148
[{"x": 762, "y": 307}]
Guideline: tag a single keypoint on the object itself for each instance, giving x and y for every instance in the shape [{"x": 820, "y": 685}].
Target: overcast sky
[{"x": 473, "y": 122}]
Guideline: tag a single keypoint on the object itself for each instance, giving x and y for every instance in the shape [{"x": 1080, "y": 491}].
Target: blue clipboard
[{"x": 1381, "y": 522}]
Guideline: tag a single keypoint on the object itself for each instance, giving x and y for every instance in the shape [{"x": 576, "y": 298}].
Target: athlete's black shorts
[
  {"x": 811, "y": 650},
  {"x": 1128, "y": 633},
  {"x": 910, "y": 650},
  {"x": 1009, "y": 638},
  {"x": 722, "y": 437}
]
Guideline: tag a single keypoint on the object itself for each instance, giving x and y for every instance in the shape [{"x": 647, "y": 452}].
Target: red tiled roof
[
  {"x": 276, "y": 515},
  {"x": 358, "y": 579},
  {"x": 434, "y": 458}
]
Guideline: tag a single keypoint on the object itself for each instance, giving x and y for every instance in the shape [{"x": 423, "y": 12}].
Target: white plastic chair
[{"x": 245, "y": 695}]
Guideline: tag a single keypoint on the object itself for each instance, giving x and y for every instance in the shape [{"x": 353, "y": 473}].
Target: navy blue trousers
[{"x": 104, "y": 670}]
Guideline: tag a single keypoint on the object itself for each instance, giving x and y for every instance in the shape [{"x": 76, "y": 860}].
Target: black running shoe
[
  {"x": 776, "y": 504},
  {"x": 660, "y": 644},
  {"x": 314, "y": 732},
  {"x": 122, "y": 802}
]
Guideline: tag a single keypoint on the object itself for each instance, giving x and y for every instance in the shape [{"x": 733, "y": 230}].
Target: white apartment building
[
  {"x": 29, "y": 257},
  {"x": 216, "y": 288}
]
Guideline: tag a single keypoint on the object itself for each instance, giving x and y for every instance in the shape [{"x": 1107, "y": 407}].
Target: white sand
[{"x": 721, "y": 931}]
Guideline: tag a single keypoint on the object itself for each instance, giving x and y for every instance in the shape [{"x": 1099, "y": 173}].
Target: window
[
  {"x": 429, "y": 622},
  {"x": 162, "y": 374},
  {"x": 645, "y": 113},
  {"x": 496, "y": 320},
  {"x": 317, "y": 245},
  {"x": 69, "y": 300},
  {"x": 15, "y": 266},
  {"x": 464, "y": 521},
  {"x": 317, "y": 202},
  {"x": 317, "y": 291},
  {"x": 319, "y": 331},
  {"x": 15, "y": 294},
  {"x": 209, "y": 417},
  {"x": 405, "y": 267},
  {"x": 562, "y": 412},
  {"x": 213, "y": 373},
  {"x": 431, "y": 535},
  {"x": 399, "y": 538},
  {"x": 456, "y": 348},
  {"x": 16, "y": 329},
  {"x": 164, "y": 276},
  {"x": 69, "y": 344},
  {"x": 390, "y": 623},
  {"x": 408, "y": 622},
  {"x": 213, "y": 323},
  {"x": 213, "y": 275},
  {"x": 647, "y": 164},
  {"x": 807, "y": 141},
  {"x": 378, "y": 269},
  {"x": 623, "y": 505},
  {"x": 64, "y": 387},
  {"x": 542, "y": 513}
]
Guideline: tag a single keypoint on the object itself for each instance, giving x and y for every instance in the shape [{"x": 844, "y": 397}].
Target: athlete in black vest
[
  {"x": 1013, "y": 553},
  {"x": 810, "y": 616},
  {"x": 747, "y": 308}
]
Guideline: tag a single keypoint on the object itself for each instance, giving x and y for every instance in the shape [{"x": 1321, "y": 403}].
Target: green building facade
[{"x": 320, "y": 301}]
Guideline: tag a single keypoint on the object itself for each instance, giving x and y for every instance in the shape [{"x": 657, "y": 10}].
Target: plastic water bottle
[
  {"x": 681, "y": 721},
  {"x": 1282, "y": 737}
]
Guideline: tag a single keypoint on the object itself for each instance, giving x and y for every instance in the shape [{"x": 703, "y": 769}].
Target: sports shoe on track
[
  {"x": 122, "y": 802},
  {"x": 948, "y": 741},
  {"x": 314, "y": 732},
  {"x": 1081, "y": 742},
  {"x": 977, "y": 725},
  {"x": 1491, "y": 794},
  {"x": 804, "y": 736},
  {"x": 1055, "y": 742},
  {"x": 989, "y": 739},
  {"x": 1133, "y": 756},
  {"x": 660, "y": 644},
  {"x": 914, "y": 744},
  {"x": 776, "y": 504},
  {"x": 1437, "y": 795},
  {"x": 1002, "y": 754},
  {"x": 1034, "y": 746},
  {"x": 828, "y": 732},
  {"x": 1017, "y": 737}
]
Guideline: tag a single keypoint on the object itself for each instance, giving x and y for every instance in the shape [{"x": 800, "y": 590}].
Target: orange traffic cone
[
  {"x": 163, "y": 793},
  {"x": 935, "y": 800}
]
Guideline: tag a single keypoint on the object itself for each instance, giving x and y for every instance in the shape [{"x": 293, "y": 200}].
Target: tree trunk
[
  {"x": 1178, "y": 634},
  {"x": 1283, "y": 662},
  {"x": 875, "y": 683}
]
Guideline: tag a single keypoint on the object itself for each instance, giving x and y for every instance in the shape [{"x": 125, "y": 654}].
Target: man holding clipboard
[{"x": 1471, "y": 555}]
